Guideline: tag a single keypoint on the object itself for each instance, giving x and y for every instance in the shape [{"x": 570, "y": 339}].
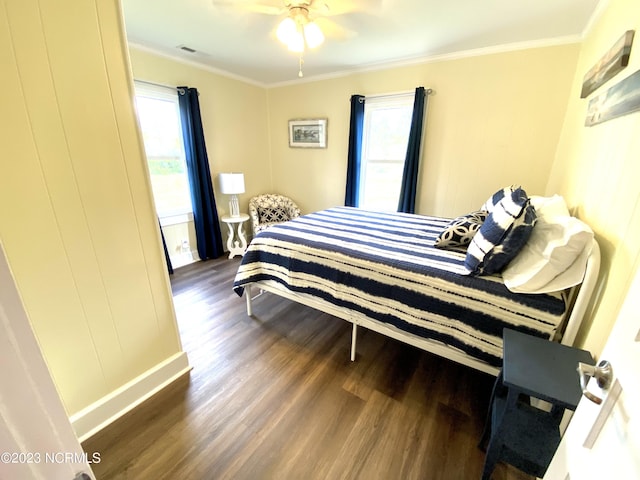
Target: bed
[{"x": 382, "y": 272}]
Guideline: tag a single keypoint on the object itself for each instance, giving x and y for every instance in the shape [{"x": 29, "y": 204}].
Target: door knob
[{"x": 603, "y": 373}]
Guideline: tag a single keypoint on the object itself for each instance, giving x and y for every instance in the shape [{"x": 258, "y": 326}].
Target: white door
[
  {"x": 603, "y": 441},
  {"x": 37, "y": 440}
]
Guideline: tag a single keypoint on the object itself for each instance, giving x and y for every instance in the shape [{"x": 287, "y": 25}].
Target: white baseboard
[
  {"x": 95, "y": 417},
  {"x": 182, "y": 259}
]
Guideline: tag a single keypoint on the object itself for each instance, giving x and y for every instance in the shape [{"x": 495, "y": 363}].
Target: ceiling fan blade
[
  {"x": 252, "y": 6},
  {"x": 334, "y": 30},
  {"x": 341, "y": 7},
  {"x": 266, "y": 9}
]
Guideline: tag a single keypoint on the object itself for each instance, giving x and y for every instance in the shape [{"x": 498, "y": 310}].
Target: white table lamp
[{"x": 232, "y": 184}]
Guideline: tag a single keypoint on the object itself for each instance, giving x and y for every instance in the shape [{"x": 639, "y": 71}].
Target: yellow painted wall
[
  {"x": 597, "y": 170},
  {"x": 234, "y": 116},
  {"x": 76, "y": 217},
  {"x": 494, "y": 120}
]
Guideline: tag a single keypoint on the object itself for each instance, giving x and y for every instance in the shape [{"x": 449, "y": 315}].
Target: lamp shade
[
  {"x": 286, "y": 30},
  {"x": 313, "y": 35},
  {"x": 296, "y": 42},
  {"x": 231, "y": 183}
]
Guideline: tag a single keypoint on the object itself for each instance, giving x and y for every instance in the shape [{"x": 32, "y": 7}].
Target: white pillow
[
  {"x": 554, "y": 258},
  {"x": 572, "y": 275},
  {"x": 549, "y": 207}
]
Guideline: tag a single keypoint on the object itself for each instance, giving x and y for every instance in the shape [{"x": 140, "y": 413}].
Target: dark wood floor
[{"x": 276, "y": 397}]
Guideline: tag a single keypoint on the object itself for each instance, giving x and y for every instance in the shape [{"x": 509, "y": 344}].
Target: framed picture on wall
[
  {"x": 616, "y": 59},
  {"x": 310, "y": 133},
  {"x": 621, "y": 99}
]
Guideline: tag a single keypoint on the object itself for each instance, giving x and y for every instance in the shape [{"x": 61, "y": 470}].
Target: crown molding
[
  {"x": 378, "y": 66},
  {"x": 411, "y": 61},
  {"x": 196, "y": 64}
]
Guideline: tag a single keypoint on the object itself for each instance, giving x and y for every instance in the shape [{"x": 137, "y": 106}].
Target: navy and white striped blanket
[{"x": 384, "y": 265}]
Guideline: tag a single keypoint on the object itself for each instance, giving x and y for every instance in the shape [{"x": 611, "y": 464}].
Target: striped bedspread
[{"x": 384, "y": 266}]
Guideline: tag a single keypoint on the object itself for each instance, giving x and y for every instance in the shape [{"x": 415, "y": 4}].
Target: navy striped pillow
[
  {"x": 502, "y": 235},
  {"x": 494, "y": 199}
]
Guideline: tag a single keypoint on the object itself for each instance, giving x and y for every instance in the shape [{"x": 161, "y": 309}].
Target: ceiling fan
[
  {"x": 297, "y": 30},
  {"x": 305, "y": 23}
]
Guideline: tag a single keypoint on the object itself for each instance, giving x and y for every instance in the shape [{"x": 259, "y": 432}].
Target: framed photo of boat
[{"x": 310, "y": 133}]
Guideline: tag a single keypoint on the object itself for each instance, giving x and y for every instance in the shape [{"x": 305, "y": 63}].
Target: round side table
[{"x": 238, "y": 246}]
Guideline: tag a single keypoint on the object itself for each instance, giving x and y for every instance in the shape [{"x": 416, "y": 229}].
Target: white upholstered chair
[{"x": 269, "y": 209}]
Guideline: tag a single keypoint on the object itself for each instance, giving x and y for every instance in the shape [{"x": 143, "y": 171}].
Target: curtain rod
[
  {"x": 427, "y": 91},
  {"x": 169, "y": 87}
]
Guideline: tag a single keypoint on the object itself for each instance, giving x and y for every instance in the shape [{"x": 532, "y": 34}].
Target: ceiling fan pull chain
[{"x": 300, "y": 74}]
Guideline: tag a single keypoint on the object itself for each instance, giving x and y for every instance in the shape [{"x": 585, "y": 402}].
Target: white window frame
[
  {"x": 372, "y": 105},
  {"x": 143, "y": 89}
]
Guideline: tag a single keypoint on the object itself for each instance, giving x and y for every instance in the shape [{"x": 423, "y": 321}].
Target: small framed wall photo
[{"x": 310, "y": 133}]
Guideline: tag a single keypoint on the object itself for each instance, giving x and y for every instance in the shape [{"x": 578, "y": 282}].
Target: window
[
  {"x": 159, "y": 117},
  {"x": 387, "y": 122}
]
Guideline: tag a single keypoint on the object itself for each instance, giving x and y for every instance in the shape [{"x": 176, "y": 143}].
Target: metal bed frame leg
[
  {"x": 247, "y": 294},
  {"x": 250, "y": 297},
  {"x": 354, "y": 335}
]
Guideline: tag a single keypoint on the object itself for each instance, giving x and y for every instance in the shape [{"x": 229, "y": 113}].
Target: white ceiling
[{"x": 231, "y": 37}]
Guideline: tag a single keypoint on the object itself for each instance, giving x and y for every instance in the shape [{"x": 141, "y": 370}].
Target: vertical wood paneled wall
[{"x": 76, "y": 214}]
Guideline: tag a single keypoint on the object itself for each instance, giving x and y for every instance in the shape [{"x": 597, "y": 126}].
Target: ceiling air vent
[{"x": 186, "y": 49}]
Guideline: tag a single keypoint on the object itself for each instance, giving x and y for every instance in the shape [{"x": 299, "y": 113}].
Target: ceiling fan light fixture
[
  {"x": 297, "y": 32},
  {"x": 286, "y": 30},
  {"x": 296, "y": 42},
  {"x": 313, "y": 35}
]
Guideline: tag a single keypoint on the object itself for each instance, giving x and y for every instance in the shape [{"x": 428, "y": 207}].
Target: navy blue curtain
[
  {"x": 355, "y": 151},
  {"x": 407, "y": 202},
  {"x": 205, "y": 214},
  {"x": 166, "y": 251}
]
